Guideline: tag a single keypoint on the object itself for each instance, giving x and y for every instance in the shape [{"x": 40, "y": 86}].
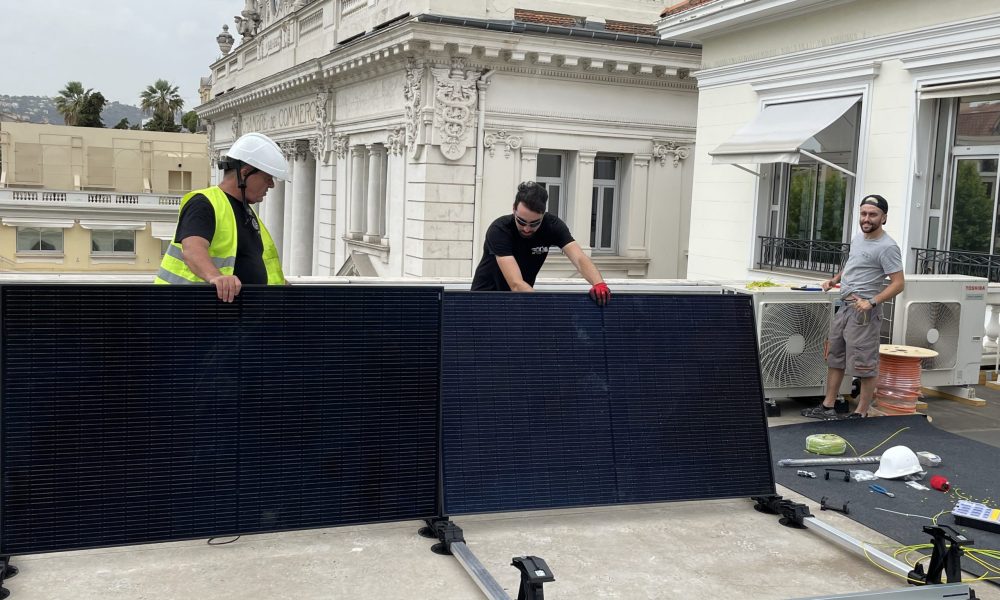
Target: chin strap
[{"x": 241, "y": 182}]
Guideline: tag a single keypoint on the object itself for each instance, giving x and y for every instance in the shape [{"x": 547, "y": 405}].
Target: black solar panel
[
  {"x": 140, "y": 414},
  {"x": 549, "y": 401}
]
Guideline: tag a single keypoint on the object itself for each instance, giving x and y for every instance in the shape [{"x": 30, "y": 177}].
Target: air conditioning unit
[
  {"x": 792, "y": 328},
  {"x": 944, "y": 313}
]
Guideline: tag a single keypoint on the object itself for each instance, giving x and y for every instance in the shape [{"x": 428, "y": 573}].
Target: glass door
[{"x": 974, "y": 220}]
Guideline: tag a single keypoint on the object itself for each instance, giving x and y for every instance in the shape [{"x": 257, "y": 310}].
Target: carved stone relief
[
  {"x": 455, "y": 97},
  {"x": 339, "y": 145},
  {"x": 677, "y": 152},
  {"x": 236, "y": 126},
  {"x": 396, "y": 141},
  {"x": 316, "y": 148},
  {"x": 413, "y": 96},
  {"x": 289, "y": 149},
  {"x": 503, "y": 138}
]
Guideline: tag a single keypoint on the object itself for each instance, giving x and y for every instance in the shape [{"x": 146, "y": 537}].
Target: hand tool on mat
[{"x": 881, "y": 490}]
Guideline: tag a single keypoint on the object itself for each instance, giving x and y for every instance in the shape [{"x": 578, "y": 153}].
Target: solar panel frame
[{"x": 120, "y": 490}]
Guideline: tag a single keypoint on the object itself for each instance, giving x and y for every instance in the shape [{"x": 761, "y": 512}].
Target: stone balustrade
[{"x": 85, "y": 198}]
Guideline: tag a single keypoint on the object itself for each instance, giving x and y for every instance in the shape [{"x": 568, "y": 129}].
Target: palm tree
[
  {"x": 70, "y": 100},
  {"x": 161, "y": 99}
]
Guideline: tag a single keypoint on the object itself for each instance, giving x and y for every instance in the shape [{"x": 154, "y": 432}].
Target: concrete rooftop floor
[{"x": 708, "y": 549}]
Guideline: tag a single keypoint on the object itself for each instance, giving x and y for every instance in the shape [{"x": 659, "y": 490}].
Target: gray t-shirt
[{"x": 868, "y": 264}]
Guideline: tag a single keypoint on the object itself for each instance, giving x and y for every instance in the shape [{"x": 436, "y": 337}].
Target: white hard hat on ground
[
  {"x": 260, "y": 151},
  {"x": 898, "y": 461}
]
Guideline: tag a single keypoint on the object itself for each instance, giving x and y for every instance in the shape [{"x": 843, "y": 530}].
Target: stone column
[
  {"x": 383, "y": 194},
  {"x": 358, "y": 173},
  {"x": 285, "y": 248},
  {"x": 276, "y": 199},
  {"x": 376, "y": 166},
  {"x": 302, "y": 211}
]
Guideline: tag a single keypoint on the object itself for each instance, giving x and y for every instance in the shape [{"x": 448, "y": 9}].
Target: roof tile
[{"x": 682, "y": 6}]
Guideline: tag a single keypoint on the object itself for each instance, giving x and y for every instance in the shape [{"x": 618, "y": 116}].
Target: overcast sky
[{"x": 117, "y": 47}]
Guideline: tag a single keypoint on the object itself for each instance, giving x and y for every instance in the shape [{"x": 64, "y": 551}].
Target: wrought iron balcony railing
[
  {"x": 956, "y": 262},
  {"x": 812, "y": 256}
]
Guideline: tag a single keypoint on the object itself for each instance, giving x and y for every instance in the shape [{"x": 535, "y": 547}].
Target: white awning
[
  {"x": 114, "y": 225},
  {"x": 780, "y": 131},
  {"x": 982, "y": 87},
  {"x": 40, "y": 223},
  {"x": 163, "y": 231}
]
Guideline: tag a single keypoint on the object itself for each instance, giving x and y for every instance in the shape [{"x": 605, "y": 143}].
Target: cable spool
[
  {"x": 898, "y": 386},
  {"x": 826, "y": 443}
]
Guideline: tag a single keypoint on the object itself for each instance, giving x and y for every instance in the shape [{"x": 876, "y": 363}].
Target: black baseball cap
[{"x": 876, "y": 201}]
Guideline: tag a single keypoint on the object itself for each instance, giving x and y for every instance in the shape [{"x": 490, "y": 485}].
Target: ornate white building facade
[{"x": 408, "y": 125}]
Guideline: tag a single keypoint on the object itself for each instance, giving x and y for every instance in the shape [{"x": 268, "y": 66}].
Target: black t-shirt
[
  {"x": 198, "y": 219},
  {"x": 504, "y": 239}
]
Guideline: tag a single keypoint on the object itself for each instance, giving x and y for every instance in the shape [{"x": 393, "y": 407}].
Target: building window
[
  {"x": 39, "y": 239},
  {"x": 812, "y": 198},
  {"x": 178, "y": 182},
  {"x": 551, "y": 175},
  {"x": 604, "y": 205},
  {"x": 105, "y": 241},
  {"x": 806, "y": 218},
  {"x": 963, "y": 212}
]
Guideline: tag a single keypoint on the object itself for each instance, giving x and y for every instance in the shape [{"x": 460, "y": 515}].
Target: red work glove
[{"x": 600, "y": 293}]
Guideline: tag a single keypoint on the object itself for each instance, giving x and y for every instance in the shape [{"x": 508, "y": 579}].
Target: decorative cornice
[
  {"x": 503, "y": 138},
  {"x": 964, "y": 37},
  {"x": 663, "y": 149},
  {"x": 575, "y": 59},
  {"x": 620, "y": 122}
]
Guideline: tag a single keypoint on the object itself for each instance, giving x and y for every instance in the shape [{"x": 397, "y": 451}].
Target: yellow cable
[
  {"x": 972, "y": 553},
  {"x": 882, "y": 442}
]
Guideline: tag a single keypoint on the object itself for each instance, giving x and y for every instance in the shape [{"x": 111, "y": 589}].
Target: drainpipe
[{"x": 477, "y": 217}]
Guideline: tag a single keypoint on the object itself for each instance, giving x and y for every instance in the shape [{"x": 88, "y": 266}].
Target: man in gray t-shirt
[{"x": 854, "y": 333}]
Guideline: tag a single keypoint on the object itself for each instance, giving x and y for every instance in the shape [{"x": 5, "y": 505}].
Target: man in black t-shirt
[
  {"x": 198, "y": 219},
  {"x": 517, "y": 245}
]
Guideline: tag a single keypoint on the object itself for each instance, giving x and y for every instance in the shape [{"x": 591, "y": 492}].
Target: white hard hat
[
  {"x": 260, "y": 151},
  {"x": 898, "y": 461}
]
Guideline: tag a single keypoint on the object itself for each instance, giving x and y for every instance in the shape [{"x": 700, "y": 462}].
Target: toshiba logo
[{"x": 975, "y": 288}]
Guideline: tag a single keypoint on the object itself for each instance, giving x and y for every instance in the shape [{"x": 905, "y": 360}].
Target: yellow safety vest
[{"x": 173, "y": 269}]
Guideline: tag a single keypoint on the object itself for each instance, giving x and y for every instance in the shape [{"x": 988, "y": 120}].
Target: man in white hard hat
[{"x": 219, "y": 238}]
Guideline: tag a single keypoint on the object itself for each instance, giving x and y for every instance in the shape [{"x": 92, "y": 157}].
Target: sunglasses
[{"x": 531, "y": 224}]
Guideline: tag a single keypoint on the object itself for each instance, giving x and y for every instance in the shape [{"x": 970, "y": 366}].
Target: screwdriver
[{"x": 881, "y": 490}]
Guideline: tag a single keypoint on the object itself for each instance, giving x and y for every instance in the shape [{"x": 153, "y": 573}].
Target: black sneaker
[
  {"x": 820, "y": 412},
  {"x": 852, "y": 416}
]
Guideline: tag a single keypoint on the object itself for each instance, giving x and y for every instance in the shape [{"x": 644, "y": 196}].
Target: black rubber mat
[{"x": 970, "y": 467}]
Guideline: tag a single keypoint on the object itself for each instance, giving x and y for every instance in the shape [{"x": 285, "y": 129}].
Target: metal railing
[
  {"x": 811, "y": 256},
  {"x": 955, "y": 262}
]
